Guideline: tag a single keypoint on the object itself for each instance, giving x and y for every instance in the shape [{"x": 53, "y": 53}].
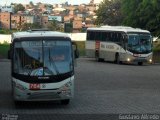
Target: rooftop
[
  {"x": 119, "y": 28},
  {"x": 42, "y": 33}
]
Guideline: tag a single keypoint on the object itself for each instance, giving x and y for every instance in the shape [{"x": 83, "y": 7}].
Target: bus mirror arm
[
  {"x": 9, "y": 54},
  {"x": 75, "y": 50},
  {"x": 76, "y": 53},
  {"x": 125, "y": 46},
  {"x": 10, "y": 51}
]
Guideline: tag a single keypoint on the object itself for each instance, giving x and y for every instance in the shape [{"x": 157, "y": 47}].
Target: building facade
[
  {"x": 5, "y": 20},
  {"x": 7, "y": 9}
]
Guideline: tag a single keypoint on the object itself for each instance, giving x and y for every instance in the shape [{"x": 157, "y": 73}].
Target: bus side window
[
  {"x": 92, "y": 36},
  {"x": 109, "y": 36},
  {"x": 115, "y": 38},
  {"x": 119, "y": 37},
  {"x": 88, "y": 35},
  {"x": 124, "y": 40},
  {"x": 106, "y": 36},
  {"x": 103, "y": 36},
  {"x": 98, "y": 36}
]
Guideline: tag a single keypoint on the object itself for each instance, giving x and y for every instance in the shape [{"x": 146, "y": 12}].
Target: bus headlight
[
  {"x": 65, "y": 89},
  {"x": 150, "y": 60},
  {"x": 20, "y": 87},
  {"x": 128, "y": 59}
]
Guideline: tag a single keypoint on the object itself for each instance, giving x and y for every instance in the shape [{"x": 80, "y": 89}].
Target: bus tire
[
  {"x": 140, "y": 63},
  {"x": 100, "y": 60},
  {"x": 97, "y": 59},
  {"x": 117, "y": 59},
  {"x": 65, "y": 102},
  {"x": 18, "y": 103}
]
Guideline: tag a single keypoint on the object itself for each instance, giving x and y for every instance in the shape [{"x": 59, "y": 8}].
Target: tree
[
  {"x": 109, "y": 13},
  {"x": 68, "y": 27},
  {"x": 149, "y": 16},
  {"x": 142, "y": 14},
  {"x": 27, "y": 26},
  {"x": 18, "y": 7},
  {"x": 129, "y": 8},
  {"x": 55, "y": 26}
]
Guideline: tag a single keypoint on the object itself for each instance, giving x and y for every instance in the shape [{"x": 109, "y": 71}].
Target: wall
[
  {"x": 5, "y": 19},
  {"x": 73, "y": 36},
  {"x": 5, "y": 38}
]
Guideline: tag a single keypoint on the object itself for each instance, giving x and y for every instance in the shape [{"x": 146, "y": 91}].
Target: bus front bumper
[
  {"x": 41, "y": 95},
  {"x": 137, "y": 60}
]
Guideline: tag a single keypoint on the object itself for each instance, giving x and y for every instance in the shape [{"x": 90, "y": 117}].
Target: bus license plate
[
  {"x": 34, "y": 86},
  {"x": 136, "y": 55}
]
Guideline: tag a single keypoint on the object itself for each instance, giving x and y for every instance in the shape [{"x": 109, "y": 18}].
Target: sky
[{"x": 75, "y": 2}]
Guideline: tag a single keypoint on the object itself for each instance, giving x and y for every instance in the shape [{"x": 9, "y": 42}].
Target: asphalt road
[{"x": 100, "y": 89}]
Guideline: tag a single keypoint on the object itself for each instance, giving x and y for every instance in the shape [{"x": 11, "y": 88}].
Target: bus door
[{"x": 97, "y": 48}]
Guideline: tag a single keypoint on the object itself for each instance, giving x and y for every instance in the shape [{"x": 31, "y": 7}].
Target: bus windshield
[
  {"x": 42, "y": 58},
  {"x": 139, "y": 43}
]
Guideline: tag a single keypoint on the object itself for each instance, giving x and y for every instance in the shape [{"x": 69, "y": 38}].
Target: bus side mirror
[
  {"x": 76, "y": 53},
  {"x": 75, "y": 50},
  {"x": 9, "y": 54},
  {"x": 125, "y": 46}
]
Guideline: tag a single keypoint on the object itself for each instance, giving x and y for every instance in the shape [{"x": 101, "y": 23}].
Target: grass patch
[
  {"x": 4, "y": 50},
  {"x": 156, "y": 56},
  {"x": 156, "y": 47}
]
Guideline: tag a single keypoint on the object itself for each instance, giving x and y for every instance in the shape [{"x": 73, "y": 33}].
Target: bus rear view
[{"x": 42, "y": 66}]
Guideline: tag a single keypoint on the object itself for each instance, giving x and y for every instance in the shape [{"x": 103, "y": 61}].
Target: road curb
[{"x": 4, "y": 60}]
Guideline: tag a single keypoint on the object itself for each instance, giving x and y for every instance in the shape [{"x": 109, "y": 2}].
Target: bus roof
[
  {"x": 118, "y": 29},
  {"x": 39, "y": 34}
]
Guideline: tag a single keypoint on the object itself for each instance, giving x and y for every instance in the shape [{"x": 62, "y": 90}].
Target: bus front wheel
[
  {"x": 18, "y": 103},
  {"x": 140, "y": 63},
  {"x": 65, "y": 102},
  {"x": 117, "y": 59}
]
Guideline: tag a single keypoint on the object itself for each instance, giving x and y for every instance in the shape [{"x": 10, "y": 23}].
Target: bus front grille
[{"x": 43, "y": 96}]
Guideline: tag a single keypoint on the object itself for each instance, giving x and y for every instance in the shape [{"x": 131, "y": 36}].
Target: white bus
[
  {"x": 119, "y": 44},
  {"x": 42, "y": 66}
]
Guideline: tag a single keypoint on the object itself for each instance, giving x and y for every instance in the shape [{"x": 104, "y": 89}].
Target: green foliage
[
  {"x": 135, "y": 13},
  {"x": 68, "y": 27},
  {"x": 27, "y": 26},
  {"x": 4, "y": 50},
  {"x": 81, "y": 47},
  {"x": 18, "y": 7},
  {"x": 142, "y": 14},
  {"x": 109, "y": 13},
  {"x": 5, "y": 31},
  {"x": 55, "y": 26},
  {"x": 5, "y": 42},
  {"x": 129, "y": 10},
  {"x": 2, "y": 32},
  {"x": 156, "y": 47}
]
